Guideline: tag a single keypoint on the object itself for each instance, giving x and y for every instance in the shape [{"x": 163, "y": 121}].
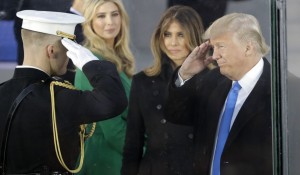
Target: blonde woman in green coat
[{"x": 106, "y": 32}]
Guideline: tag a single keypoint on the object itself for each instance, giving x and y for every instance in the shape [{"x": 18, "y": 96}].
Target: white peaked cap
[{"x": 54, "y": 23}]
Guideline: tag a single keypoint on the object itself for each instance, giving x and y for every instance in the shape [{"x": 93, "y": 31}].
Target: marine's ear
[{"x": 50, "y": 51}]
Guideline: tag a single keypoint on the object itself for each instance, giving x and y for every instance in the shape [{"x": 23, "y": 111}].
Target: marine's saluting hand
[{"x": 77, "y": 53}]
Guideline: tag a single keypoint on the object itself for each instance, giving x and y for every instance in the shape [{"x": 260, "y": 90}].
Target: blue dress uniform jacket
[
  {"x": 30, "y": 144},
  {"x": 248, "y": 149},
  {"x": 153, "y": 146}
]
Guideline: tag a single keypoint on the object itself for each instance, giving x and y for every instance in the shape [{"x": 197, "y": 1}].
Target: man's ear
[
  {"x": 249, "y": 48},
  {"x": 50, "y": 51}
]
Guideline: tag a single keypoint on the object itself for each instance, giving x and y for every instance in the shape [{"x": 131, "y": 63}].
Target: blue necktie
[{"x": 225, "y": 126}]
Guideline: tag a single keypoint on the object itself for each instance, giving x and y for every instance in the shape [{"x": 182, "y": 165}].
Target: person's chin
[{"x": 223, "y": 70}]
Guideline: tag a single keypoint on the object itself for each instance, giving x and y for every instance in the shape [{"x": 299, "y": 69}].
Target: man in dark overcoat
[{"x": 241, "y": 143}]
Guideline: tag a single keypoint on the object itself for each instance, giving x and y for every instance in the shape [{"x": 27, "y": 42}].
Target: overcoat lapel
[
  {"x": 254, "y": 102},
  {"x": 217, "y": 101}
]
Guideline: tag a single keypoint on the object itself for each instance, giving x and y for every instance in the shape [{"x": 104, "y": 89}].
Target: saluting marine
[{"x": 40, "y": 116}]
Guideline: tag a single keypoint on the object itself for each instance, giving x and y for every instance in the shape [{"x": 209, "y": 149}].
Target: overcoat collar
[
  {"x": 31, "y": 74},
  {"x": 166, "y": 68},
  {"x": 255, "y": 99}
]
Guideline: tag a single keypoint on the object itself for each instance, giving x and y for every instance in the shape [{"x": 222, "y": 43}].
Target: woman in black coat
[{"x": 153, "y": 146}]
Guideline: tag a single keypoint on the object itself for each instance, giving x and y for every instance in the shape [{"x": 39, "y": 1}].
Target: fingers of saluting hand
[
  {"x": 203, "y": 49},
  {"x": 71, "y": 55},
  {"x": 70, "y": 45},
  {"x": 208, "y": 60},
  {"x": 200, "y": 51},
  {"x": 193, "y": 55}
]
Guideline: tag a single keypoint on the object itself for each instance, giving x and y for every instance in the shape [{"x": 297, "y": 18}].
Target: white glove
[{"x": 78, "y": 54}]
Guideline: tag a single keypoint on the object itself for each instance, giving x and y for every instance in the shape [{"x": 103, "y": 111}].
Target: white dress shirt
[
  {"x": 75, "y": 11},
  {"x": 247, "y": 83}
]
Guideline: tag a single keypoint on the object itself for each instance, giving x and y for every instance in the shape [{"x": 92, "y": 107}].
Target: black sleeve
[
  {"x": 105, "y": 101},
  {"x": 181, "y": 103},
  {"x": 135, "y": 134}
]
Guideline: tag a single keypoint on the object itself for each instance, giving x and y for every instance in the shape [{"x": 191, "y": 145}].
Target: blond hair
[
  {"x": 120, "y": 54},
  {"x": 31, "y": 38},
  {"x": 245, "y": 28}
]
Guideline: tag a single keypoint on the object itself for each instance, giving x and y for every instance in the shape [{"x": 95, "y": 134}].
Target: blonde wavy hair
[
  {"x": 245, "y": 27},
  {"x": 191, "y": 24},
  {"x": 120, "y": 54}
]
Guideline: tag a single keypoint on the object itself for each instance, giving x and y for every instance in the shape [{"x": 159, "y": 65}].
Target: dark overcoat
[
  {"x": 248, "y": 149},
  {"x": 167, "y": 147},
  {"x": 30, "y": 144}
]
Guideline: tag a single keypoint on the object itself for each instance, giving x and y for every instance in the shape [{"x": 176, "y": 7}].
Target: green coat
[{"x": 103, "y": 151}]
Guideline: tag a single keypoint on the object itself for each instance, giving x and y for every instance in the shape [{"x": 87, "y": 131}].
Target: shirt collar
[
  {"x": 75, "y": 11},
  {"x": 251, "y": 77}
]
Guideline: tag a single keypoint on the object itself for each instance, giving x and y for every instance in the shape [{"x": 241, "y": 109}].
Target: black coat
[
  {"x": 30, "y": 144},
  {"x": 168, "y": 147},
  {"x": 248, "y": 149}
]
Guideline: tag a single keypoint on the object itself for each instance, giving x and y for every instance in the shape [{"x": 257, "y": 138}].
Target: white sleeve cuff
[{"x": 179, "y": 81}]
